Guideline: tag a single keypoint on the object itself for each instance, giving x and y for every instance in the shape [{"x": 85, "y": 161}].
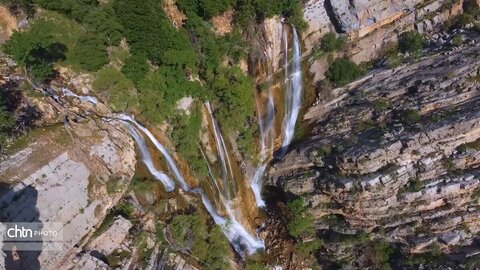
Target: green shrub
[
  {"x": 410, "y": 117},
  {"x": 342, "y": 71},
  {"x": 411, "y": 42},
  {"x": 36, "y": 49},
  {"x": 307, "y": 248},
  {"x": 331, "y": 43},
  {"x": 118, "y": 257},
  {"x": 185, "y": 137},
  {"x": 457, "y": 40},
  {"x": 301, "y": 221},
  {"x": 112, "y": 86},
  {"x": 135, "y": 68},
  {"x": 233, "y": 91},
  {"x": 149, "y": 32},
  {"x": 415, "y": 185},
  {"x": 125, "y": 209},
  {"x": 90, "y": 53},
  {"x": 205, "y": 8},
  {"x": 247, "y": 141},
  {"x": 248, "y": 11},
  {"x": 210, "y": 246},
  {"x": 381, "y": 105},
  {"x": 379, "y": 254},
  {"x": 448, "y": 164}
]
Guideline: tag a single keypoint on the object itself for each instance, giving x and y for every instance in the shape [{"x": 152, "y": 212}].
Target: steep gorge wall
[{"x": 395, "y": 152}]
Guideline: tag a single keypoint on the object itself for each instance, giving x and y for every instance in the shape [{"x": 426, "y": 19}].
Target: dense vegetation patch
[
  {"x": 411, "y": 42},
  {"x": 207, "y": 243},
  {"x": 115, "y": 88},
  {"x": 185, "y": 133},
  {"x": 342, "y": 71}
]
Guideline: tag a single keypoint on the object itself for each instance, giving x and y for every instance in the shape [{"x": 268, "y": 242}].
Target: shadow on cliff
[
  {"x": 20, "y": 206},
  {"x": 13, "y": 100}
]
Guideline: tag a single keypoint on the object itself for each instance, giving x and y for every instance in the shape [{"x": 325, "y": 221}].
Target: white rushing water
[
  {"x": 294, "y": 88},
  {"x": 170, "y": 162},
  {"x": 240, "y": 238},
  {"x": 266, "y": 144},
  {"x": 68, "y": 93},
  {"x": 222, "y": 153},
  {"x": 242, "y": 241},
  {"x": 147, "y": 159}
]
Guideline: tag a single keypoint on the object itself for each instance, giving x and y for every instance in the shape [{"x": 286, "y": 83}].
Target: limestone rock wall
[{"x": 395, "y": 151}]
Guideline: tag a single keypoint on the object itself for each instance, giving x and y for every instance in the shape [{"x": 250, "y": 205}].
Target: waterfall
[
  {"x": 170, "y": 162},
  {"x": 266, "y": 144},
  {"x": 238, "y": 236},
  {"x": 222, "y": 152},
  {"x": 147, "y": 159},
  {"x": 293, "y": 85},
  {"x": 234, "y": 231},
  {"x": 68, "y": 93}
]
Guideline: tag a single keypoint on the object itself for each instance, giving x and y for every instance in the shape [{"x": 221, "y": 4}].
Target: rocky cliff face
[
  {"x": 71, "y": 169},
  {"x": 395, "y": 155}
]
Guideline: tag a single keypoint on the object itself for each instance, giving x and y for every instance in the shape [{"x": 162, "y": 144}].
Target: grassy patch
[
  {"x": 67, "y": 32},
  {"x": 55, "y": 133}
]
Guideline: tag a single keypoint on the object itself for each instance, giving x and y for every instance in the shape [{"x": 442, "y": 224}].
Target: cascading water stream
[
  {"x": 266, "y": 128},
  {"x": 238, "y": 236},
  {"x": 68, "y": 93},
  {"x": 170, "y": 162},
  {"x": 147, "y": 159},
  {"x": 222, "y": 152},
  {"x": 294, "y": 88}
]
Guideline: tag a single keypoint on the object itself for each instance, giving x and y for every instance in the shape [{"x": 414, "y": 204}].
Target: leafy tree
[
  {"x": 135, "y": 68},
  {"x": 379, "y": 254},
  {"x": 294, "y": 14},
  {"x": 185, "y": 136},
  {"x": 343, "y": 71},
  {"x": 148, "y": 31},
  {"x": 184, "y": 225},
  {"x": 210, "y": 246},
  {"x": 411, "y": 42},
  {"x": 113, "y": 87},
  {"x": 245, "y": 13},
  {"x": 75, "y": 9},
  {"x": 104, "y": 23},
  {"x": 35, "y": 50},
  {"x": 90, "y": 53},
  {"x": 409, "y": 116},
  {"x": 251, "y": 10},
  {"x": 306, "y": 248},
  {"x": 152, "y": 98},
  {"x": 247, "y": 141},
  {"x": 331, "y": 43},
  {"x": 204, "y": 8},
  {"x": 218, "y": 247},
  {"x": 233, "y": 90},
  {"x": 300, "y": 221}
]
